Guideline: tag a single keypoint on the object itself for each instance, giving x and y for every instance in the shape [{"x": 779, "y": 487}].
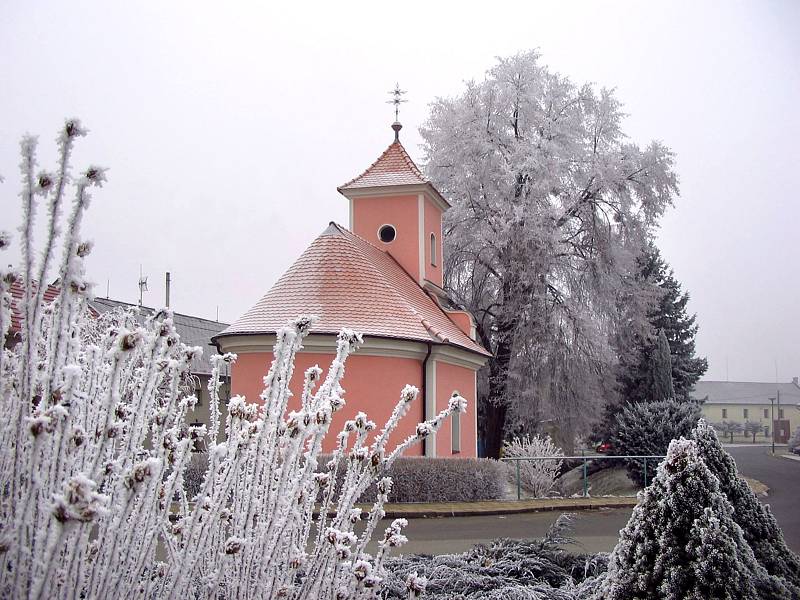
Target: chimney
[{"x": 168, "y": 290}]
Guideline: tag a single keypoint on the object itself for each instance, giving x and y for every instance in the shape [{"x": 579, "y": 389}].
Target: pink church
[{"x": 381, "y": 277}]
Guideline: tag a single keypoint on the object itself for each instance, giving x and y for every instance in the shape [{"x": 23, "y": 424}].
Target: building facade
[
  {"x": 381, "y": 277},
  {"x": 737, "y": 402}
]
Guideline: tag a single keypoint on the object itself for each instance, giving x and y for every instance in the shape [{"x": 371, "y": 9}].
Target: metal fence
[{"x": 585, "y": 460}]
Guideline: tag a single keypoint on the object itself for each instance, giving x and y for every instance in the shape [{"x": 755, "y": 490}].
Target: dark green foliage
[
  {"x": 661, "y": 387},
  {"x": 682, "y": 542},
  {"x": 759, "y": 526},
  {"x": 647, "y": 428},
  {"x": 670, "y": 317}
]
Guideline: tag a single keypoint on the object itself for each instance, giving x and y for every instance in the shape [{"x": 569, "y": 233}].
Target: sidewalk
[{"x": 423, "y": 510}]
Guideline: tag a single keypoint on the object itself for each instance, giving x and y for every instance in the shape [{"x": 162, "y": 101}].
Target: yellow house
[{"x": 739, "y": 402}]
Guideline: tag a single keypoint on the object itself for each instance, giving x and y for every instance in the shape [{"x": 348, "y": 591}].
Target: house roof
[
  {"x": 349, "y": 283},
  {"x": 193, "y": 331},
  {"x": 17, "y": 290},
  {"x": 745, "y": 392}
]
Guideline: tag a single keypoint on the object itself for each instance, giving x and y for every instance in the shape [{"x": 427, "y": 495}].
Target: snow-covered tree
[
  {"x": 539, "y": 476},
  {"x": 794, "y": 442},
  {"x": 760, "y": 528},
  {"x": 729, "y": 428},
  {"x": 95, "y": 445},
  {"x": 552, "y": 203},
  {"x": 647, "y": 428},
  {"x": 753, "y": 428},
  {"x": 682, "y": 542}
]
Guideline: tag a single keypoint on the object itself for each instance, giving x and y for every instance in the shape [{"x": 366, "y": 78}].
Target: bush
[
  {"x": 420, "y": 479},
  {"x": 503, "y": 570},
  {"x": 95, "y": 445},
  {"x": 682, "y": 541},
  {"x": 647, "y": 428},
  {"x": 795, "y": 441},
  {"x": 539, "y": 476}
]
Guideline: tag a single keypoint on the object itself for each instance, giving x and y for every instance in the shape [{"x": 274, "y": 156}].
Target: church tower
[{"x": 396, "y": 208}]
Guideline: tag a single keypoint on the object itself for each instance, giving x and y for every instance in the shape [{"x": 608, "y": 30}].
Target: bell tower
[{"x": 396, "y": 208}]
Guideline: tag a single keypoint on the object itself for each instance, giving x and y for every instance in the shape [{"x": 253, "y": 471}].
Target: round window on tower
[{"x": 387, "y": 233}]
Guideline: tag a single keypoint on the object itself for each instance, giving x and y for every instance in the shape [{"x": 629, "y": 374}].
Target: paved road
[
  {"x": 598, "y": 530},
  {"x": 782, "y": 476}
]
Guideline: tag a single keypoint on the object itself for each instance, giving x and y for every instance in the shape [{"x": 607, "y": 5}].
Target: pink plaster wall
[
  {"x": 450, "y": 378},
  {"x": 372, "y": 384},
  {"x": 433, "y": 225},
  {"x": 369, "y": 214},
  {"x": 463, "y": 320}
]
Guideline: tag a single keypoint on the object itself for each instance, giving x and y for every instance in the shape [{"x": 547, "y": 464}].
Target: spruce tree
[
  {"x": 682, "y": 542},
  {"x": 668, "y": 315},
  {"x": 661, "y": 385},
  {"x": 759, "y": 526}
]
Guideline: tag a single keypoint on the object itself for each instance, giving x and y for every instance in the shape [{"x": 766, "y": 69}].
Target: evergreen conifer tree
[
  {"x": 759, "y": 526},
  {"x": 661, "y": 385},
  {"x": 669, "y": 316},
  {"x": 682, "y": 542}
]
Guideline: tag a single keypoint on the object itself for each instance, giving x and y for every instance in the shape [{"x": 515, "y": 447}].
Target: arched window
[{"x": 433, "y": 250}]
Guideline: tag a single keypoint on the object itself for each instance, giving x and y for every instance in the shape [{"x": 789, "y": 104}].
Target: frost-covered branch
[{"x": 96, "y": 446}]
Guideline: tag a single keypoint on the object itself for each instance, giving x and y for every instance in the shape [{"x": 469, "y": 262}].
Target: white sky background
[{"x": 227, "y": 127}]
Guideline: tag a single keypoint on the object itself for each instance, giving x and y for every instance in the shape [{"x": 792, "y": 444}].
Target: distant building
[
  {"x": 381, "y": 277},
  {"x": 739, "y": 402}
]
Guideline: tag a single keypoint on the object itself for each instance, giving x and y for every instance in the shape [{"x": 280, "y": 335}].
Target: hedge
[
  {"x": 414, "y": 479},
  {"x": 419, "y": 479}
]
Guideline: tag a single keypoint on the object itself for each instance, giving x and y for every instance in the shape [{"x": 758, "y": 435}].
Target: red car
[{"x": 604, "y": 448}]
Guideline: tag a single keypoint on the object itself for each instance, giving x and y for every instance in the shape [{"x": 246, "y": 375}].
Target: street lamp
[{"x": 772, "y": 405}]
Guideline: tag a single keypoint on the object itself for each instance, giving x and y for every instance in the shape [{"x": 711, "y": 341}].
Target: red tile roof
[
  {"x": 348, "y": 282},
  {"x": 393, "y": 167},
  {"x": 17, "y": 290}
]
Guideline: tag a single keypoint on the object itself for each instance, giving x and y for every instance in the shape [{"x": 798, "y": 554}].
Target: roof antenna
[
  {"x": 397, "y": 100},
  {"x": 142, "y": 284}
]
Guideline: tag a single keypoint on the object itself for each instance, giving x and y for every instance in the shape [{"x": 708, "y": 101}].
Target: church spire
[{"x": 397, "y": 100}]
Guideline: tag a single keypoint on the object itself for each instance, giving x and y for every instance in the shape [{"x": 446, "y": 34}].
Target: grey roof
[
  {"x": 745, "y": 392},
  {"x": 193, "y": 331}
]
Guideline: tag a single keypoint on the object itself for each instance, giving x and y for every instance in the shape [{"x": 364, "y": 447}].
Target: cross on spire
[{"x": 397, "y": 100}]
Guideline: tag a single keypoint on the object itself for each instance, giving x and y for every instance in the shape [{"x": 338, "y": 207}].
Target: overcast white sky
[{"x": 228, "y": 125}]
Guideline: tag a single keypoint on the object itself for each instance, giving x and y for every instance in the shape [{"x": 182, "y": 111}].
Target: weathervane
[{"x": 397, "y": 100}]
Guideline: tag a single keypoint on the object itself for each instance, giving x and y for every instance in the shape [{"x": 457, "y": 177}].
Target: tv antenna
[{"x": 142, "y": 285}]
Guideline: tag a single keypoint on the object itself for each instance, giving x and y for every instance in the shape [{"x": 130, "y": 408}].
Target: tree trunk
[
  {"x": 494, "y": 425},
  {"x": 496, "y": 407}
]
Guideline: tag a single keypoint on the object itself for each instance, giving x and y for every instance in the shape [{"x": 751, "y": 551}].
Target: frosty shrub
[
  {"x": 421, "y": 479},
  {"x": 539, "y": 476},
  {"x": 682, "y": 541},
  {"x": 647, "y": 428},
  {"x": 538, "y": 569},
  {"x": 95, "y": 448},
  {"x": 759, "y": 526},
  {"x": 794, "y": 442}
]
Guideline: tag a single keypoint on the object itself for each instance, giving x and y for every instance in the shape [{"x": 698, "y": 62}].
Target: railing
[{"x": 585, "y": 459}]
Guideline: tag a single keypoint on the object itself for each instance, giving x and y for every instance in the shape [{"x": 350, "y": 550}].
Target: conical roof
[
  {"x": 393, "y": 167},
  {"x": 349, "y": 283}
]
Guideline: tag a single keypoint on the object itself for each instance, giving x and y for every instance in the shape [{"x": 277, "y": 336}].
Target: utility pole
[{"x": 772, "y": 406}]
